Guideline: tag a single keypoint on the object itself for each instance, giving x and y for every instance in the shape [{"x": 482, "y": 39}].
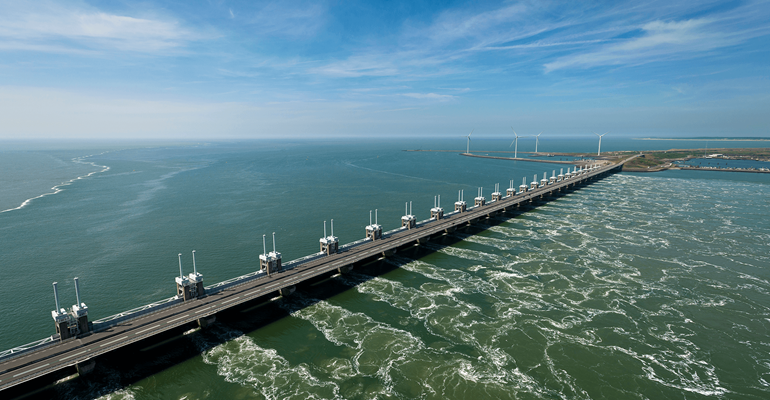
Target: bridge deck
[{"x": 38, "y": 363}]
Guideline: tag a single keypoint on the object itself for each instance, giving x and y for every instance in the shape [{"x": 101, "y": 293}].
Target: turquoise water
[{"x": 639, "y": 286}]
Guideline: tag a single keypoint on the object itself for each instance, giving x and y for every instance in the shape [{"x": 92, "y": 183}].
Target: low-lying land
[{"x": 659, "y": 160}]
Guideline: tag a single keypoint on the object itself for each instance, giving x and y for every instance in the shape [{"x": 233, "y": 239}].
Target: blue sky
[{"x": 246, "y": 69}]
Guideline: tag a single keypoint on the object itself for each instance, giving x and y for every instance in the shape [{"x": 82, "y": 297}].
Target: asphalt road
[{"x": 38, "y": 363}]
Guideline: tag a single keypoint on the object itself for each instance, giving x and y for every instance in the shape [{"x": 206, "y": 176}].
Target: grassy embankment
[{"x": 659, "y": 160}]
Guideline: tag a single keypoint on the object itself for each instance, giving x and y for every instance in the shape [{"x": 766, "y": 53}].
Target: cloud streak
[
  {"x": 661, "y": 40},
  {"x": 53, "y": 26},
  {"x": 431, "y": 96}
]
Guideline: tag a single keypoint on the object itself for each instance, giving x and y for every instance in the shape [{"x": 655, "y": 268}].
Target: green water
[{"x": 640, "y": 286}]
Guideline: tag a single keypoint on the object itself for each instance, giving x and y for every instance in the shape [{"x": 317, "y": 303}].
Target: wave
[
  {"x": 60, "y": 187},
  {"x": 241, "y": 360}
]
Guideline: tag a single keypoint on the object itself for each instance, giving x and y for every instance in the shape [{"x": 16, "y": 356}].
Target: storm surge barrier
[{"x": 78, "y": 342}]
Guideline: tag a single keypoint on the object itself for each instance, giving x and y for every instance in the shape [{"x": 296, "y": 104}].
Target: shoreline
[{"x": 709, "y": 140}]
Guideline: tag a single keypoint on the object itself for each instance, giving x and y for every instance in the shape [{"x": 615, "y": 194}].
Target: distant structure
[
  {"x": 516, "y": 141},
  {"x": 468, "y": 148},
  {"x": 598, "y": 153}
]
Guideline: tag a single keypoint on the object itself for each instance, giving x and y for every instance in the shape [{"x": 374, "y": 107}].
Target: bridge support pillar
[
  {"x": 497, "y": 196},
  {"x": 269, "y": 262},
  {"x": 329, "y": 244},
  {"x": 480, "y": 201},
  {"x": 388, "y": 253},
  {"x": 189, "y": 287},
  {"x": 460, "y": 204},
  {"x": 85, "y": 367},
  {"x": 373, "y": 230},
  {"x": 437, "y": 212},
  {"x": 205, "y": 322},
  {"x": 345, "y": 270},
  {"x": 423, "y": 240},
  {"x": 287, "y": 291},
  {"x": 408, "y": 221}
]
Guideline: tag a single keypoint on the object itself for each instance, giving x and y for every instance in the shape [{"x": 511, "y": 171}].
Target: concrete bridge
[{"x": 194, "y": 303}]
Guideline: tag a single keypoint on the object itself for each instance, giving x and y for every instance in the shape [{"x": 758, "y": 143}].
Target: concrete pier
[{"x": 18, "y": 368}]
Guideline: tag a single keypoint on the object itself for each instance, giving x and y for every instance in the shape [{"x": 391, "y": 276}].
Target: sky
[{"x": 250, "y": 69}]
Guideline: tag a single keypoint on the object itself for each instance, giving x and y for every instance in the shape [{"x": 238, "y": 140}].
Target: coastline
[{"x": 708, "y": 140}]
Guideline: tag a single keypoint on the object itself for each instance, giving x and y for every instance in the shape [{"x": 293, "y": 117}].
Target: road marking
[
  {"x": 148, "y": 329},
  {"x": 233, "y": 299},
  {"x": 114, "y": 341},
  {"x": 177, "y": 319},
  {"x": 30, "y": 370},
  {"x": 202, "y": 310},
  {"x": 73, "y": 355}
]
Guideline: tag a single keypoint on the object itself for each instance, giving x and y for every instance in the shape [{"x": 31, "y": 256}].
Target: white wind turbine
[
  {"x": 468, "y": 149},
  {"x": 537, "y": 139},
  {"x": 598, "y": 153},
  {"x": 515, "y": 148}
]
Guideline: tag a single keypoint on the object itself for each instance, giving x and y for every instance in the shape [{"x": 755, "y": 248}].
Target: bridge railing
[
  {"x": 36, "y": 345},
  {"x": 112, "y": 320}
]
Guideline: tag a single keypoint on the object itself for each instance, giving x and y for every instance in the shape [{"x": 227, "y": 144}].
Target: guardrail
[
  {"x": 36, "y": 345},
  {"x": 107, "y": 322},
  {"x": 112, "y": 320}
]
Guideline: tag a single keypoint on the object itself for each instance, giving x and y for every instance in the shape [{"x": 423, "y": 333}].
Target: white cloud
[
  {"x": 431, "y": 96},
  {"x": 39, "y": 26},
  {"x": 295, "y": 18},
  {"x": 357, "y": 66},
  {"x": 661, "y": 40},
  {"x": 459, "y": 24}
]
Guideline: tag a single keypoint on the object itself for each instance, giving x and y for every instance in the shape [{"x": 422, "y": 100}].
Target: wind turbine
[
  {"x": 537, "y": 139},
  {"x": 516, "y": 148},
  {"x": 598, "y": 153},
  {"x": 468, "y": 149}
]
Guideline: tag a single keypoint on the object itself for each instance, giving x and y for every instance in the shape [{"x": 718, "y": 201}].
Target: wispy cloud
[
  {"x": 357, "y": 66},
  {"x": 295, "y": 18},
  {"x": 43, "y": 26},
  {"x": 661, "y": 40},
  {"x": 431, "y": 96}
]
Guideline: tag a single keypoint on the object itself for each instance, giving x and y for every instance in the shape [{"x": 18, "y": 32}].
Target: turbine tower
[
  {"x": 515, "y": 148},
  {"x": 537, "y": 139},
  {"x": 598, "y": 153},
  {"x": 468, "y": 149}
]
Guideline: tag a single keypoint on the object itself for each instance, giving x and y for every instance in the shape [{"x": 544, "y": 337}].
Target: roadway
[{"x": 73, "y": 351}]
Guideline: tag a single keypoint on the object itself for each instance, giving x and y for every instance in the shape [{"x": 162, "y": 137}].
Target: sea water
[{"x": 637, "y": 286}]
